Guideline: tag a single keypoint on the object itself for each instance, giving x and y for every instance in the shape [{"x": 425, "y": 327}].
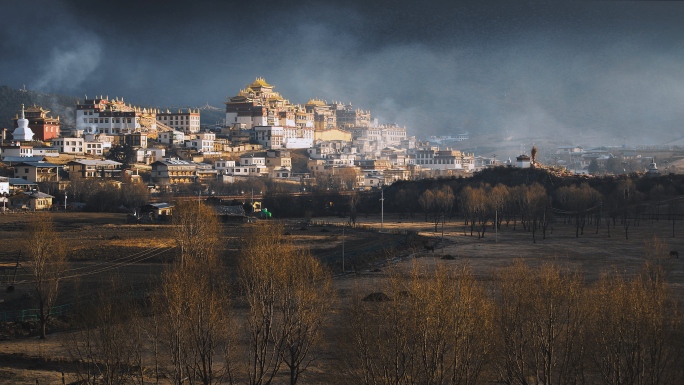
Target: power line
[{"x": 126, "y": 261}]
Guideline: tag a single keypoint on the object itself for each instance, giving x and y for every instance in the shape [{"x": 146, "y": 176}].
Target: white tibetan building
[{"x": 22, "y": 133}]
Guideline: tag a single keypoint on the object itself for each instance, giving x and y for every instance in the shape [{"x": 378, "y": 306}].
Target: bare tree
[
  {"x": 194, "y": 299},
  {"x": 47, "y": 259},
  {"x": 289, "y": 294},
  {"x": 196, "y": 231},
  {"x": 470, "y": 199},
  {"x": 536, "y": 203},
  {"x": 443, "y": 204},
  {"x": 107, "y": 346},
  {"x": 635, "y": 334},
  {"x": 196, "y": 310},
  {"x": 541, "y": 322},
  {"x": 306, "y": 295},
  {"x": 427, "y": 202},
  {"x": 432, "y": 328},
  {"x": 579, "y": 201},
  {"x": 483, "y": 207},
  {"x": 499, "y": 197}
]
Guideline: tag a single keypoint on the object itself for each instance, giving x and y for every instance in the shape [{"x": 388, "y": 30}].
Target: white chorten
[{"x": 22, "y": 133}]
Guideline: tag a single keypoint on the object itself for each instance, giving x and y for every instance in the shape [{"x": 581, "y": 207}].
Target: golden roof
[
  {"x": 35, "y": 108},
  {"x": 315, "y": 102},
  {"x": 245, "y": 92},
  {"x": 260, "y": 82}
]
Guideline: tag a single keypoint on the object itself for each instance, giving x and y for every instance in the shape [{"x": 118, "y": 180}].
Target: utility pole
[
  {"x": 65, "y": 197},
  {"x": 496, "y": 225},
  {"x": 343, "y": 249},
  {"x": 443, "y": 233},
  {"x": 382, "y": 209}
]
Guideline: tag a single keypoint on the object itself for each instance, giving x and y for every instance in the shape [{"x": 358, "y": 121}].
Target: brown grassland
[{"x": 138, "y": 254}]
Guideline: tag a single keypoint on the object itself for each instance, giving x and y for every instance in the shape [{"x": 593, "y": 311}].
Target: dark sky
[{"x": 577, "y": 71}]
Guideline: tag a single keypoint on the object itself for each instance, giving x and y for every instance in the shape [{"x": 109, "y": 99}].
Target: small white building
[
  {"x": 255, "y": 163},
  {"x": 4, "y": 185},
  {"x": 171, "y": 137},
  {"x": 269, "y": 136},
  {"x": 22, "y": 151},
  {"x": 149, "y": 155},
  {"x": 522, "y": 161},
  {"x": 223, "y": 165},
  {"x": 370, "y": 180},
  {"x": 93, "y": 148},
  {"x": 106, "y": 140},
  {"x": 69, "y": 145},
  {"x": 202, "y": 142},
  {"x": 187, "y": 121},
  {"x": 341, "y": 160},
  {"x": 298, "y": 143},
  {"x": 46, "y": 152},
  {"x": 280, "y": 173}
]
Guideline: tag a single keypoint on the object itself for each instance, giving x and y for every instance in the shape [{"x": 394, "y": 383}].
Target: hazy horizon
[{"x": 600, "y": 69}]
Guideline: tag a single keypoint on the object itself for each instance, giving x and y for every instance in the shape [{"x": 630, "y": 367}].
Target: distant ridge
[{"x": 207, "y": 107}]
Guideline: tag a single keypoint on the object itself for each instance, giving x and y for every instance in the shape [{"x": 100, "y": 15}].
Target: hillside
[{"x": 11, "y": 100}]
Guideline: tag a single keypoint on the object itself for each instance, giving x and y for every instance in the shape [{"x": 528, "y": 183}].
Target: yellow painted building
[{"x": 332, "y": 134}]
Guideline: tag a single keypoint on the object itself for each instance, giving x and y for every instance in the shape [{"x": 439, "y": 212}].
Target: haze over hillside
[{"x": 63, "y": 106}]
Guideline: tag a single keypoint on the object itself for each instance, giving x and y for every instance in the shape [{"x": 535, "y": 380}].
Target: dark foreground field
[{"x": 103, "y": 245}]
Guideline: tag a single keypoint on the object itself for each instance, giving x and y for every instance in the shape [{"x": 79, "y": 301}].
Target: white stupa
[{"x": 22, "y": 133}]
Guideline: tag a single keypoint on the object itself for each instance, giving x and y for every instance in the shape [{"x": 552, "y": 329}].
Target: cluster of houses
[
  {"x": 614, "y": 160},
  {"x": 260, "y": 131},
  {"x": 256, "y": 140}
]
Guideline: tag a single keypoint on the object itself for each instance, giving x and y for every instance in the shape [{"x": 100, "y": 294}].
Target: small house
[
  {"x": 156, "y": 211},
  {"x": 32, "y": 200},
  {"x": 522, "y": 161},
  {"x": 234, "y": 213}
]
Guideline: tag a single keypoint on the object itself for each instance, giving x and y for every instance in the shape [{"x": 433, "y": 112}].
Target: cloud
[
  {"x": 522, "y": 70},
  {"x": 69, "y": 66}
]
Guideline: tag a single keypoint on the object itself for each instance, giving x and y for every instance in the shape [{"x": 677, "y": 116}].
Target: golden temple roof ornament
[{"x": 260, "y": 82}]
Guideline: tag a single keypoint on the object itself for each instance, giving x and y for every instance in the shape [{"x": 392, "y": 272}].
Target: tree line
[{"x": 535, "y": 200}]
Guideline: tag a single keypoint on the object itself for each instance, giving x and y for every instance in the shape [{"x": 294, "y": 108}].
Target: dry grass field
[{"x": 102, "y": 245}]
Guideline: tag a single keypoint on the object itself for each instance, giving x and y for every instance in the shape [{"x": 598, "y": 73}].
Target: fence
[
  {"x": 32, "y": 314},
  {"x": 361, "y": 226}
]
